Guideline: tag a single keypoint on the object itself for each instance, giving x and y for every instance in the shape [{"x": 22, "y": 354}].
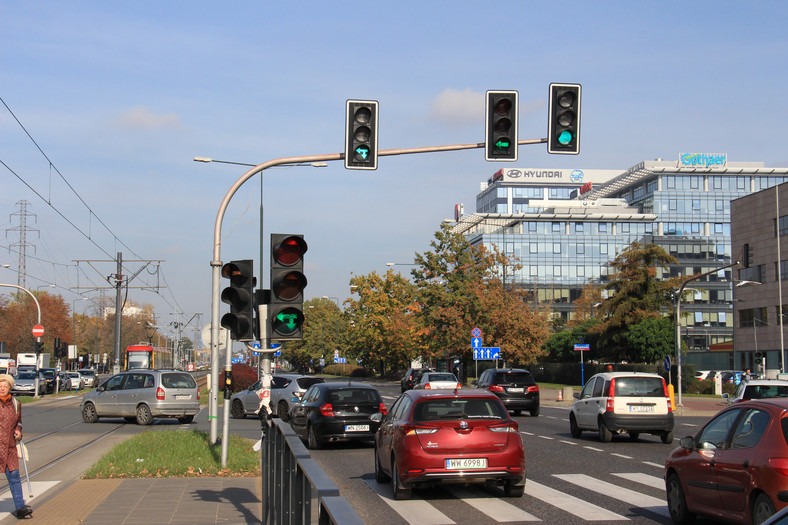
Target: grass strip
[{"x": 176, "y": 453}]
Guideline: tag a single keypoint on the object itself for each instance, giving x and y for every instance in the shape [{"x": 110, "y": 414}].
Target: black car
[
  {"x": 51, "y": 376},
  {"x": 337, "y": 411},
  {"x": 411, "y": 378},
  {"x": 514, "y": 386}
]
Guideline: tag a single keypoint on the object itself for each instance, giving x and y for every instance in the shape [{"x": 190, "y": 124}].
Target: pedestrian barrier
[{"x": 295, "y": 489}]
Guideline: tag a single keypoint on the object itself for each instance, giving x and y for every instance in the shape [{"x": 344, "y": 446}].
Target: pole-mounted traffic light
[
  {"x": 361, "y": 134},
  {"x": 240, "y": 296},
  {"x": 500, "y": 130},
  {"x": 286, "y": 309},
  {"x": 563, "y": 126}
]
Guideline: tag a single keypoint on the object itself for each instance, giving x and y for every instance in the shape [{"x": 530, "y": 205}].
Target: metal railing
[{"x": 296, "y": 490}]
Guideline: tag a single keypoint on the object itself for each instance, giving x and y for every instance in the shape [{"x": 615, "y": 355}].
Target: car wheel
[
  {"x": 185, "y": 420},
  {"x": 512, "y": 490},
  {"x": 604, "y": 433},
  {"x": 400, "y": 492},
  {"x": 380, "y": 476},
  {"x": 634, "y": 436},
  {"x": 237, "y": 409},
  {"x": 144, "y": 416},
  {"x": 312, "y": 441},
  {"x": 573, "y": 428},
  {"x": 677, "y": 503},
  {"x": 667, "y": 437},
  {"x": 89, "y": 414},
  {"x": 762, "y": 509},
  {"x": 535, "y": 411},
  {"x": 283, "y": 411}
]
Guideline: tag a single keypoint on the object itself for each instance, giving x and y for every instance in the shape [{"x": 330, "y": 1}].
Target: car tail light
[
  {"x": 327, "y": 410},
  {"x": 413, "y": 430},
  {"x": 160, "y": 394},
  {"x": 458, "y": 385},
  {"x": 495, "y": 388},
  {"x": 779, "y": 465},
  {"x": 198, "y": 394},
  {"x": 611, "y": 394},
  {"x": 382, "y": 409},
  {"x": 427, "y": 387},
  {"x": 533, "y": 388},
  {"x": 508, "y": 427},
  {"x": 667, "y": 396}
]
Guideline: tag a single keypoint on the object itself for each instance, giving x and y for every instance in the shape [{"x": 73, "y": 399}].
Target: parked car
[
  {"x": 143, "y": 395},
  {"x": 71, "y": 381},
  {"x": 758, "y": 389},
  {"x": 410, "y": 378},
  {"x": 26, "y": 383},
  {"x": 623, "y": 402},
  {"x": 433, "y": 380},
  {"x": 284, "y": 387},
  {"x": 51, "y": 378},
  {"x": 734, "y": 468},
  {"x": 446, "y": 436},
  {"x": 514, "y": 386},
  {"x": 89, "y": 377},
  {"x": 337, "y": 411}
]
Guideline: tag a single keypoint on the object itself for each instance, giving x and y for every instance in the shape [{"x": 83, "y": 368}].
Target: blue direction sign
[
  {"x": 487, "y": 352},
  {"x": 476, "y": 342},
  {"x": 583, "y": 348}
]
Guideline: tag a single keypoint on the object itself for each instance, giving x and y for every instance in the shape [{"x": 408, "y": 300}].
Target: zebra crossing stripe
[
  {"x": 495, "y": 508},
  {"x": 644, "y": 479},
  {"x": 581, "y": 509},
  {"x": 630, "y": 497},
  {"x": 414, "y": 511}
]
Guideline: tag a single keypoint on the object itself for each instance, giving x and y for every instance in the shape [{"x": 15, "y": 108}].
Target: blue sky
[{"x": 120, "y": 97}]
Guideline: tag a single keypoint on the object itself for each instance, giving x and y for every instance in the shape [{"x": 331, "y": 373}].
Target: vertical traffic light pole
[{"x": 216, "y": 262}]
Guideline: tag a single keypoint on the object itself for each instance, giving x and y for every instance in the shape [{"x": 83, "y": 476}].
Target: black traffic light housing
[
  {"x": 286, "y": 309},
  {"x": 500, "y": 127},
  {"x": 563, "y": 126},
  {"x": 361, "y": 134},
  {"x": 240, "y": 296}
]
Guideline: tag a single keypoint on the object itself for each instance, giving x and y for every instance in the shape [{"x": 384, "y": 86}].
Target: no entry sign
[{"x": 38, "y": 330}]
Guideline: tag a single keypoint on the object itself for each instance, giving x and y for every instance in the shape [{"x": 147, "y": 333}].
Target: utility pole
[{"x": 22, "y": 245}]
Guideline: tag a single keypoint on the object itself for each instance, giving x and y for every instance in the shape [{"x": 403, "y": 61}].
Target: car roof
[
  {"x": 611, "y": 375},
  {"x": 766, "y": 382},
  {"x": 461, "y": 392},
  {"x": 336, "y": 385},
  {"x": 510, "y": 370}
]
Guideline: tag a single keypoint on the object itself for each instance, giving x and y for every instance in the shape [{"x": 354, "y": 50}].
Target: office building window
[
  {"x": 557, "y": 227},
  {"x": 534, "y": 270},
  {"x": 603, "y": 248},
  {"x": 581, "y": 271},
  {"x": 581, "y": 248},
  {"x": 556, "y": 247},
  {"x": 533, "y": 247},
  {"x": 557, "y": 270}
]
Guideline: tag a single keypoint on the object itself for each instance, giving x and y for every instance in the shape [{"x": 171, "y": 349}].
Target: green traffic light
[
  {"x": 502, "y": 145},
  {"x": 565, "y": 137},
  {"x": 362, "y": 153}
]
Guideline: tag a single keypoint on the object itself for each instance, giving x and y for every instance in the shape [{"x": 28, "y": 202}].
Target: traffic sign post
[{"x": 581, "y": 349}]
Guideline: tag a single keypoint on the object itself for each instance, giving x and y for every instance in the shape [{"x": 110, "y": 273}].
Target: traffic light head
[
  {"x": 286, "y": 310},
  {"x": 500, "y": 129},
  {"x": 563, "y": 126},
  {"x": 361, "y": 134},
  {"x": 240, "y": 296}
]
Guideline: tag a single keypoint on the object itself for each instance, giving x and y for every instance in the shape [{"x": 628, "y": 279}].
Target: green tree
[
  {"x": 651, "y": 339},
  {"x": 560, "y": 347},
  {"x": 634, "y": 294}
]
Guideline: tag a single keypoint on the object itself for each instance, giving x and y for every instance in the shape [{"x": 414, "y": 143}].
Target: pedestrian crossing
[{"x": 641, "y": 494}]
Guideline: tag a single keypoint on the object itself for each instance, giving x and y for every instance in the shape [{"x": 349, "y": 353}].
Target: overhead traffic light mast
[{"x": 286, "y": 310}]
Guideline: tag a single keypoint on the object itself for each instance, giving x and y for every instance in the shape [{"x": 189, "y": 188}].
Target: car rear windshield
[
  {"x": 515, "y": 378},
  {"x": 458, "y": 408},
  {"x": 353, "y": 395},
  {"x": 177, "y": 380},
  {"x": 442, "y": 377},
  {"x": 306, "y": 382},
  {"x": 640, "y": 387}
]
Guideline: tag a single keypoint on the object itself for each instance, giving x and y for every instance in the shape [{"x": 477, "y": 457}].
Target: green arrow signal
[
  {"x": 289, "y": 320},
  {"x": 363, "y": 152},
  {"x": 502, "y": 145}
]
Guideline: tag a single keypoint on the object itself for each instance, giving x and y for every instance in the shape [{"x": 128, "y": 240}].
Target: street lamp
[{"x": 38, "y": 288}]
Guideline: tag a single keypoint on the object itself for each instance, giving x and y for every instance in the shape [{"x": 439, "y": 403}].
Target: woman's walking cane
[{"x": 23, "y": 454}]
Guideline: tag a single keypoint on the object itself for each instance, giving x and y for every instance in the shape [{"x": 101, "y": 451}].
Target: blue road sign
[
  {"x": 487, "y": 352},
  {"x": 476, "y": 332},
  {"x": 667, "y": 363},
  {"x": 476, "y": 342},
  {"x": 340, "y": 360},
  {"x": 583, "y": 348}
]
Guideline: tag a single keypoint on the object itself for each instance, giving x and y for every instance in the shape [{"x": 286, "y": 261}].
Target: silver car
[
  {"x": 71, "y": 381},
  {"x": 283, "y": 388},
  {"x": 142, "y": 395},
  {"x": 26, "y": 383},
  {"x": 89, "y": 377}
]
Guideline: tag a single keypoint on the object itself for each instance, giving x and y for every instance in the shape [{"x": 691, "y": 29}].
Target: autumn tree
[
  {"x": 18, "y": 315},
  {"x": 633, "y": 294},
  {"x": 325, "y": 330}
]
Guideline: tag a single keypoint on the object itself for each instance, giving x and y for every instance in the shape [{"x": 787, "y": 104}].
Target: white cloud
[
  {"x": 458, "y": 107},
  {"x": 140, "y": 117}
]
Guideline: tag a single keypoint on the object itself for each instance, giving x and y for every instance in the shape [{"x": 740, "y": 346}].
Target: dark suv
[
  {"x": 411, "y": 378},
  {"x": 514, "y": 386}
]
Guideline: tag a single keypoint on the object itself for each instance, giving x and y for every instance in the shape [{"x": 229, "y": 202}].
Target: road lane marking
[
  {"x": 645, "y": 479},
  {"x": 581, "y": 509},
  {"x": 495, "y": 508},
  {"x": 414, "y": 511},
  {"x": 644, "y": 501}
]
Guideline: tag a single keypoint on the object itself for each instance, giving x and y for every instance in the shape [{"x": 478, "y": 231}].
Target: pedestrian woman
[{"x": 10, "y": 433}]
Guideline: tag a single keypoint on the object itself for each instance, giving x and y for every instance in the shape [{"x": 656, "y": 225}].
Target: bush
[{"x": 347, "y": 370}]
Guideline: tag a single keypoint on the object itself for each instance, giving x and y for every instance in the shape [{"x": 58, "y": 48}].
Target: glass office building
[{"x": 564, "y": 226}]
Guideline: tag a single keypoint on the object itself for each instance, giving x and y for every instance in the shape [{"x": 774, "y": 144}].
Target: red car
[
  {"x": 735, "y": 468},
  {"x": 449, "y": 436}
]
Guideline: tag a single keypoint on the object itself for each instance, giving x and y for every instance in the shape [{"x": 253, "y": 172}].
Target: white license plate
[
  {"x": 182, "y": 396},
  {"x": 515, "y": 389},
  {"x": 641, "y": 408},
  {"x": 466, "y": 463},
  {"x": 356, "y": 428}
]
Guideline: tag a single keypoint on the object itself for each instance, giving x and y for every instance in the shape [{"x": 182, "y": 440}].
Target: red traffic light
[{"x": 289, "y": 251}]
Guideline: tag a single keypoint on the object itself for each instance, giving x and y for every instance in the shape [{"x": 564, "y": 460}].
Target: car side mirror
[
  {"x": 377, "y": 417},
  {"x": 687, "y": 442},
  {"x": 576, "y": 395},
  {"x": 726, "y": 395}
]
